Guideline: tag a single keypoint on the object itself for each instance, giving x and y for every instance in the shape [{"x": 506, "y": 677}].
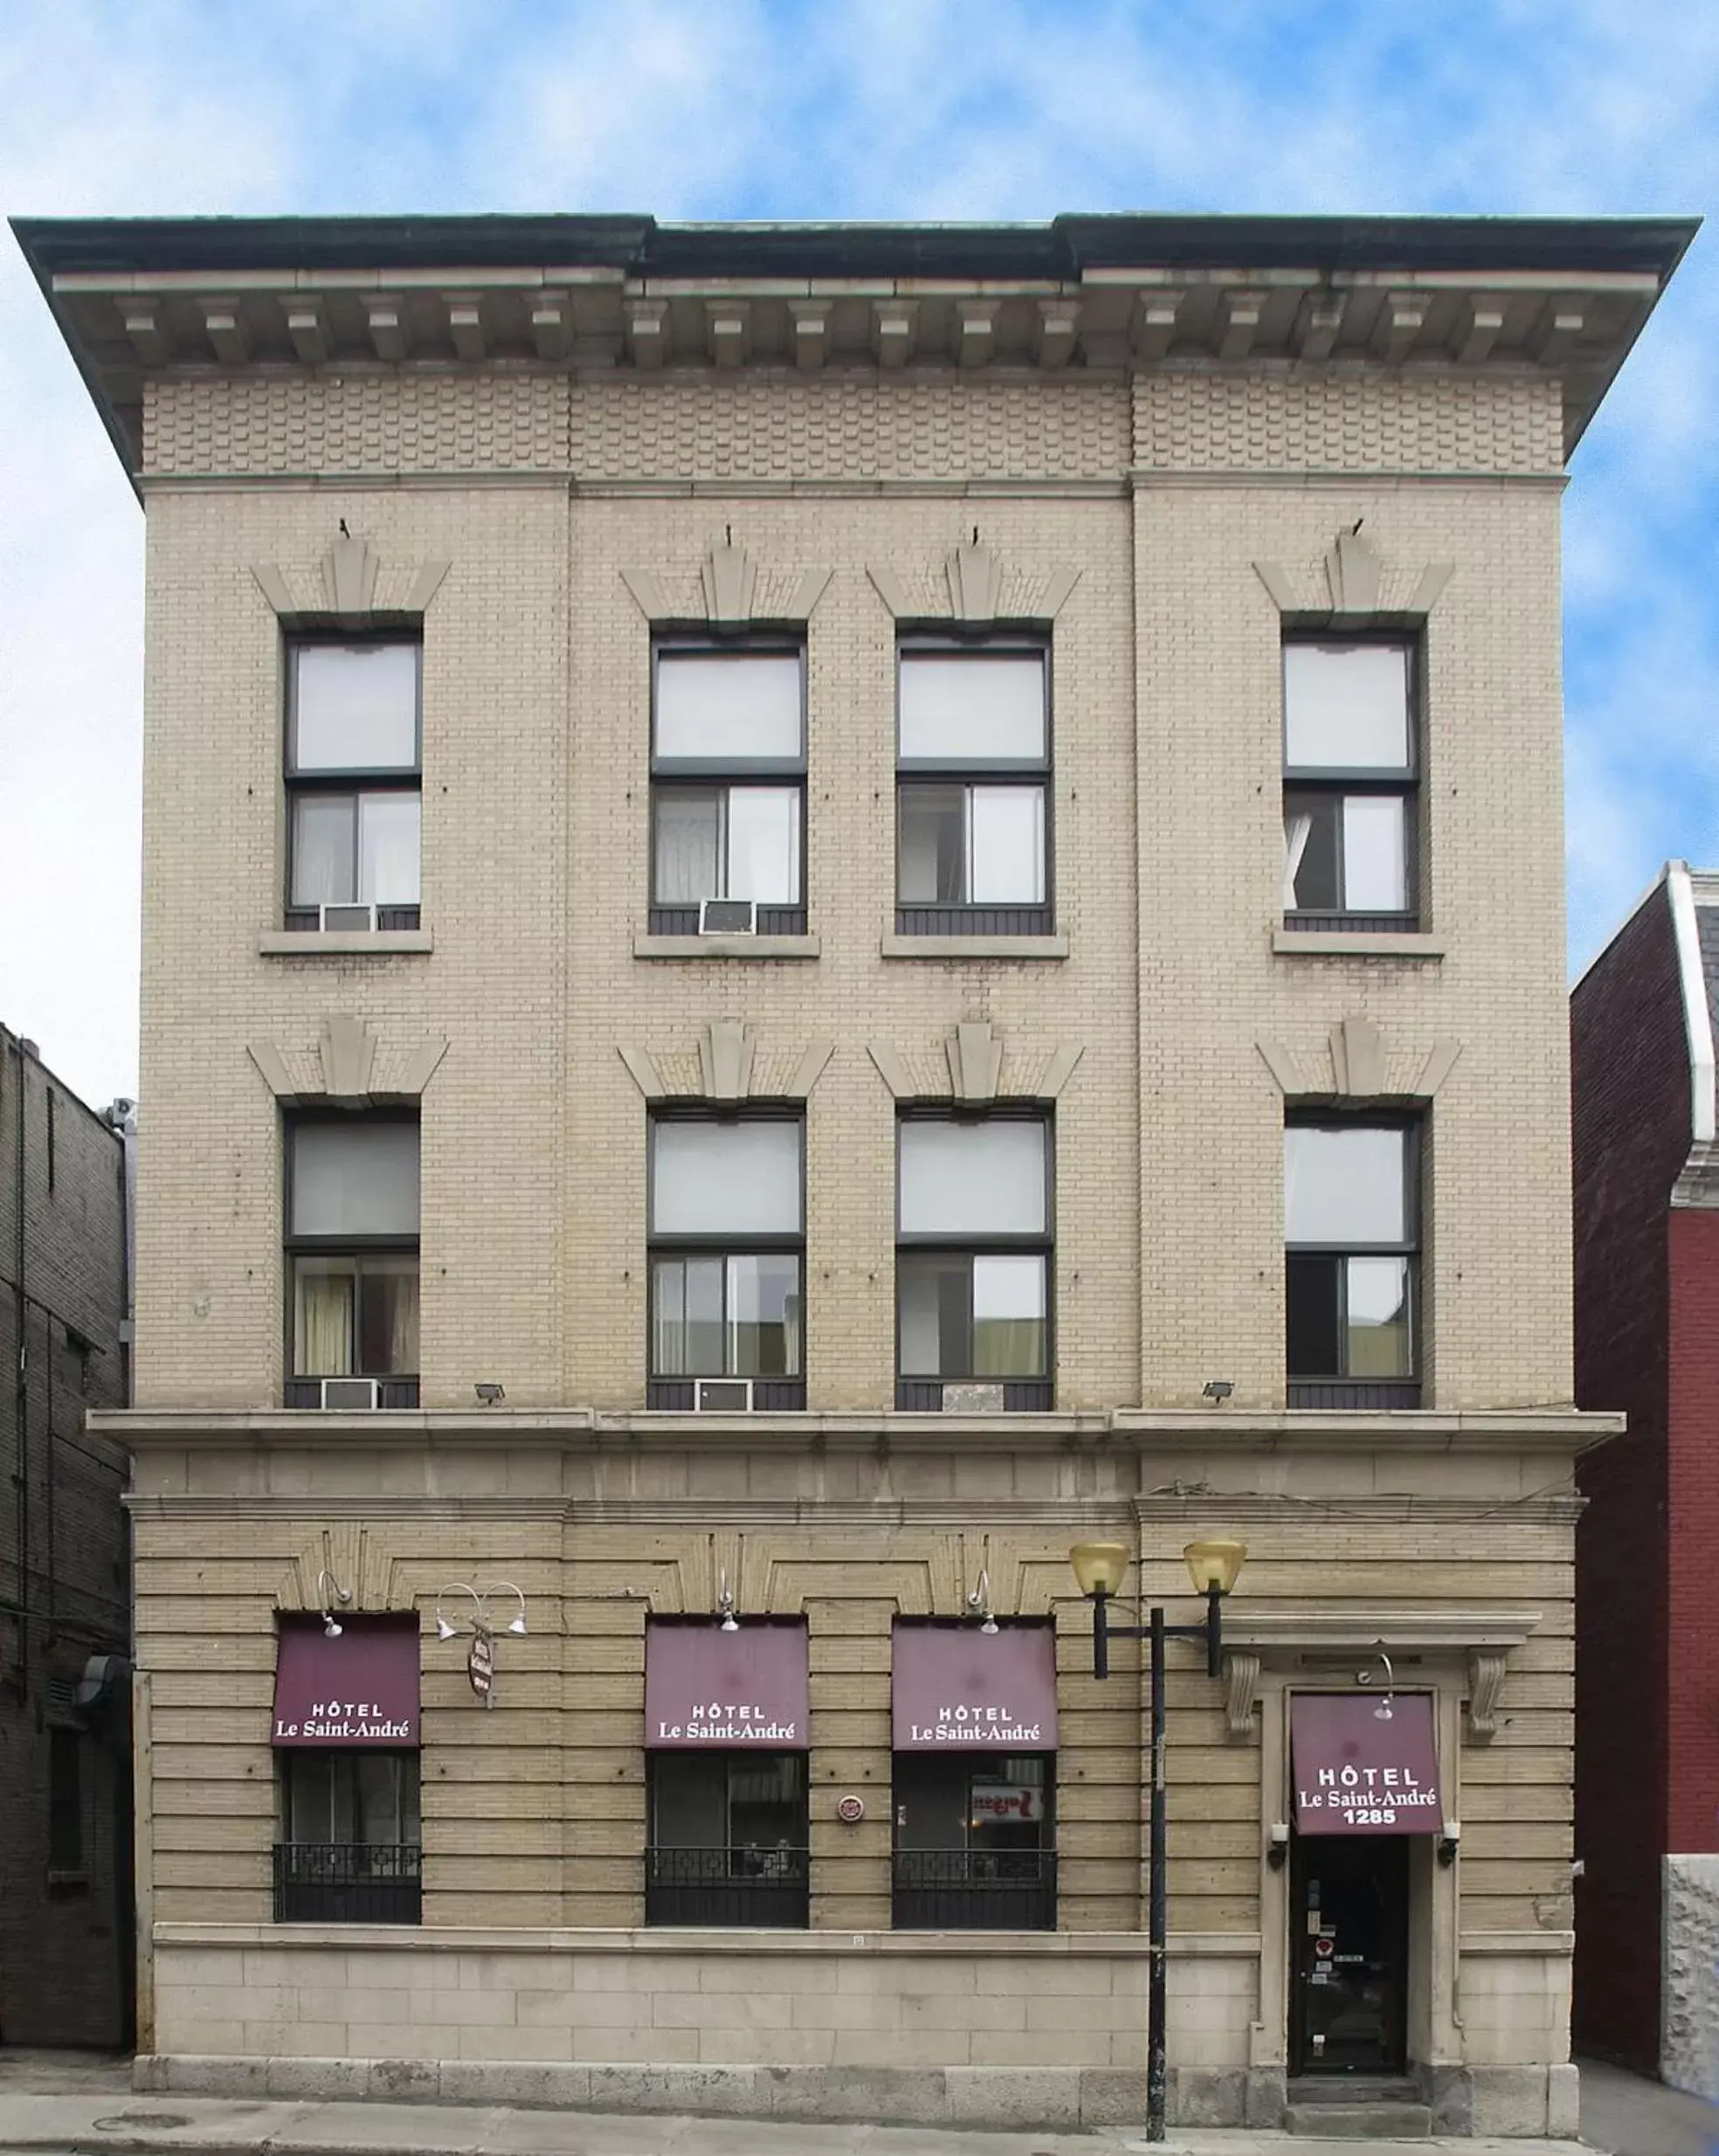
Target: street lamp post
[{"x": 1098, "y": 1567}]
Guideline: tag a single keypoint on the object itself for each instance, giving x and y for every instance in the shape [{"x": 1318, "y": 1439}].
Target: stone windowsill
[
  {"x": 1354, "y": 943},
  {"x": 727, "y": 946},
  {"x": 343, "y": 943},
  {"x": 975, "y": 947}
]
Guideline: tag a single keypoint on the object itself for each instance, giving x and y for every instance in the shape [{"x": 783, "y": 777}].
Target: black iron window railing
[
  {"x": 1357, "y": 1392},
  {"x": 975, "y": 1890},
  {"x": 767, "y": 920},
  {"x": 394, "y": 1392},
  {"x": 348, "y": 1883},
  {"x": 737, "y": 1886},
  {"x": 770, "y": 1395},
  {"x": 958, "y": 920}
]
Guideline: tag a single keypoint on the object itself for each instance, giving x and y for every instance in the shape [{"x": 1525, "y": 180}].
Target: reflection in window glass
[
  {"x": 1008, "y": 1316},
  {"x": 1377, "y": 1296}
]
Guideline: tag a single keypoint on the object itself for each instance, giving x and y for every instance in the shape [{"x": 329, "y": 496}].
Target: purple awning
[
  {"x": 955, "y": 1686},
  {"x": 358, "y": 1689},
  {"x": 1364, "y": 1765},
  {"x": 705, "y": 1686}
]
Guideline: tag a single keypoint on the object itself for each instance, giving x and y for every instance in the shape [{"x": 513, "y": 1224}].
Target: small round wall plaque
[{"x": 853, "y": 1809}]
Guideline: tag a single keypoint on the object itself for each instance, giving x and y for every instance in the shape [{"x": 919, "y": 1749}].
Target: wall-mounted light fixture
[
  {"x": 1450, "y": 1841},
  {"x": 725, "y": 1605},
  {"x": 978, "y": 1603},
  {"x": 1277, "y": 1844},
  {"x": 489, "y": 1392},
  {"x": 1218, "y": 1390},
  {"x": 328, "y": 1592},
  {"x": 481, "y": 1620}
]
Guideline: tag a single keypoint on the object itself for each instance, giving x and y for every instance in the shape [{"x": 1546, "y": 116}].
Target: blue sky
[{"x": 845, "y": 108}]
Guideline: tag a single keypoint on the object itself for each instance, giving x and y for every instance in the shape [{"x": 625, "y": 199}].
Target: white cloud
[{"x": 831, "y": 108}]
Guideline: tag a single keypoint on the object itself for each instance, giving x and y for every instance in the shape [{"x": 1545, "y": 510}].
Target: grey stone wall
[{"x": 1689, "y": 2047}]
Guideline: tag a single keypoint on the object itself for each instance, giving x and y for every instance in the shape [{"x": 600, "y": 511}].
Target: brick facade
[
  {"x": 1162, "y": 524},
  {"x": 66, "y": 1972},
  {"x": 1647, "y": 1284}
]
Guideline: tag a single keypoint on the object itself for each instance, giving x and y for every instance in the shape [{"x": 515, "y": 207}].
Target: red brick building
[
  {"x": 1647, "y": 1216},
  {"x": 65, "y": 1925}
]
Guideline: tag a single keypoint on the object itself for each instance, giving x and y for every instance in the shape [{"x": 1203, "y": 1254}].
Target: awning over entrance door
[
  {"x": 705, "y": 1686},
  {"x": 955, "y": 1686},
  {"x": 1364, "y": 1764},
  {"x": 359, "y": 1687}
]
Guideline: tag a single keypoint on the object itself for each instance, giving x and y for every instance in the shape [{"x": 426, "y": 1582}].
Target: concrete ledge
[
  {"x": 1030, "y": 947},
  {"x": 727, "y": 946},
  {"x": 340, "y": 944},
  {"x": 1354, "y": 943}
]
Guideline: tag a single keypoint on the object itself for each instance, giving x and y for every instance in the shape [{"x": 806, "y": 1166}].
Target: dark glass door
[{"x": 1348, "y": 1960}]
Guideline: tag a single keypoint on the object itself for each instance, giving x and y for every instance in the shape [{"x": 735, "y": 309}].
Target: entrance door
[{"x": 1349, "y": 1916}]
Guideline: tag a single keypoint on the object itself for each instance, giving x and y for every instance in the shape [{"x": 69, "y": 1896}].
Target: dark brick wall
[
  {"x": 64, "y": 1933},
  {"x": 1631, "y": 1136},
  {"x": 1692, "y": 1725}
]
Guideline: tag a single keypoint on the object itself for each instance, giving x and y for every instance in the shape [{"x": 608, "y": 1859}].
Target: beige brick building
[{"x": 732, "y": 964}]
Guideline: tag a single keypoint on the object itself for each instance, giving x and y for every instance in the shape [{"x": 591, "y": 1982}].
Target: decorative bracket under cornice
[
  {"x": 348, "y": 585},
  {"x": 730, "y": 591},
  {"x": 977, "y": 1067},
  {"x": 1360, "y": 1068},
  {"x": 1354, "y": 583},
  {"x": 975, "y": 587},
  {"x": 726, "y": 1064},
  {"x": 347, "y": 1066}
]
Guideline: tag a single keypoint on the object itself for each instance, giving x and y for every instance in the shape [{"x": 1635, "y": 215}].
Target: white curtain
[
  {"x": 389, "y": 848},
  {"x": 1297, "y": 830},
  {"x": 687, "y": 847},
  {"x": 322, "y": 850},
  {"x": 322, "y": 1324}
]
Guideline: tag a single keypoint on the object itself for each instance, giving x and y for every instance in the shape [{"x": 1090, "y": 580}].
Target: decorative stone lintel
[
  {"x": 726, "y": 1054},
  {"x": 728, "y": 1068},
  {"x": 975, "y": 1054},
  {"x": 347, "y": 1049},
  {"x": 973, "y": 1070},
  {"x": 1357, "y": 1059},
  {"x": 345, "y": 1063},
  {"x": 1356, "y": 583},
  {"x": 1359, "y": 1066},
  {"x": 730, "y": 591},
  {"x": 350, "y": 586},
  {"x": 976, "y": 586}
]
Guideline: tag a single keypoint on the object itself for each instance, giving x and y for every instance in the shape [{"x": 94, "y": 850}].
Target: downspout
[{"x": 21, "y": 1379}]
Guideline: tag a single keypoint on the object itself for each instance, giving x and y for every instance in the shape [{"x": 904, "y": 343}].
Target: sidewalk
[
  {"x": 127, "y": 2125},
  {"x": 1633, "y": 2117}
]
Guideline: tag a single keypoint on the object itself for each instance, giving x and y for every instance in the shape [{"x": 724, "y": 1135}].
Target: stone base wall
[{"x": 1689, "y": 2027}]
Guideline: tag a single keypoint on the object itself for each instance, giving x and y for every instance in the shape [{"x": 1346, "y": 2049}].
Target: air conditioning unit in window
[
  {"x": 348, "y": 919},
  {"x": 722, "y": 1396},
  {"x": 728, "y": 916},
  {"x": 348, "y": 1393},
  {"x": 973, "y": 1400}
]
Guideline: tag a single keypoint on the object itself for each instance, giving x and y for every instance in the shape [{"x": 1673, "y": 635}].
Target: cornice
[{"x": 1213, "y": 1433}]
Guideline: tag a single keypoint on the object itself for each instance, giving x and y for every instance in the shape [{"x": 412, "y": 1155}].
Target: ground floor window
[
  {"x": 729, "y": 1838},
  {"x": 974, "y": 1843},
  {"x": 351, "y": 1846}
]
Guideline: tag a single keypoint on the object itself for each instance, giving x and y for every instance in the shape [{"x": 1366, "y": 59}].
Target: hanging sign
[{"x": 480, "y": 1663}]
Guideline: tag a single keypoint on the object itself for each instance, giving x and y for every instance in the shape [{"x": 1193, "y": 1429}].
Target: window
[
  {"x": 66, "y": 1801},
  {"x": 728, "y": 791},
  {"x": 730, "y": 1839},
  {"x": 351, "y": 1846},
  {"x": 975, "y": 1843},
  {"x": 353, "y": 784},
  {"x": 1349, "y": 784},
  {"x": 972, "y": 1262},
  {"x": 1350, "y": 1227},
  {"x": 726, "y": 1213},
  {"x": 973, "y": 791},
  {"x": 352, "y": 1204}
]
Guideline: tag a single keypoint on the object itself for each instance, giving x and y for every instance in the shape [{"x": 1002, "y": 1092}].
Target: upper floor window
[
  {"x": 972, "y": 1262},
  {"x": 1352, "y": 1255},
  {"x": 1348, "y": 783},
  {"x": 972, "y": 845},
  {"x": 728, "y": 791},
  {"x": 352, "y": 1207},
  {"x": 727, "y": 1263},
  {"x": 353, "y": 784}
]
